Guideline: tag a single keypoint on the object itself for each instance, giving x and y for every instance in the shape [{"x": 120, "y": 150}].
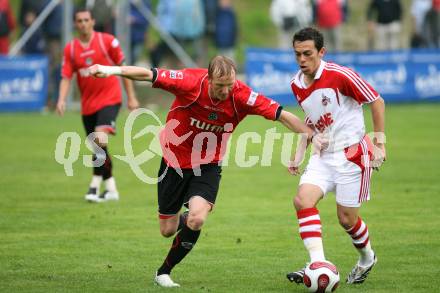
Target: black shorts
[
  {"x": 105, "y": 119},
  {"x": 174, "y": 191}
]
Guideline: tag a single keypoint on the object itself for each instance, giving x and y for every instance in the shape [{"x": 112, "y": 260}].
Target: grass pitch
[{"x": 51, "y": 240}]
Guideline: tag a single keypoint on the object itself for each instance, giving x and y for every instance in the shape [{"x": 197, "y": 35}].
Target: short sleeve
[
  {"x": 179, "y": 82},
  {"x": 114, "y": 50},
  {"x": 357, "y": 88},
  {"x": 67, "y": 69},
  {"x": 254, "y": 103}
]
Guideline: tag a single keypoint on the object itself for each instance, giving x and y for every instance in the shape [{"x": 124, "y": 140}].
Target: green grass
[{"x": 53, "y": 241}]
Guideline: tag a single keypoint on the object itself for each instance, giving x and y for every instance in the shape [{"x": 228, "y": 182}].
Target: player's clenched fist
[
  {"x": 96, "y": 71},
  {"x": 104, "y": 71},
  {"x": 379, "y": 155}
]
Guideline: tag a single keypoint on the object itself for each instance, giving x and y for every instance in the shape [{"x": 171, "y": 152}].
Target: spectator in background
[
  {"x": 103, "y": 13},
  {"x": 7, "y": 25},
  {"x": 329, "y": 15},
  {"x": 290, "y": 16},
  {"x": 189, "y": 26},
  {"x": 52, "y": 34},
  {"x": 165, "y": 16},
  {"x": 138, "y": 29},
  {"x": 29, "y": 11},
  {"x": 384, "y": 24},
  {"x": 184, "y": 20},
  {"x": 432, "y": 24},
  {"x": 210, "y": 9},
  {"x": 226, "y": 29},
  {"x": 419, "y": 8}
]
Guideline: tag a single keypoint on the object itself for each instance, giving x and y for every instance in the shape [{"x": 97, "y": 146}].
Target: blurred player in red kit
[{"x": 100, "y": 99}]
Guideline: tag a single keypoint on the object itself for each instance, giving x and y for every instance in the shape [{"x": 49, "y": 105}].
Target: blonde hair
[{"x": 221, "y": 66}]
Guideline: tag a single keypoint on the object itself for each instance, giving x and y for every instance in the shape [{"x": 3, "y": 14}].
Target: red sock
[
  {"x": 359, "y": 234},
  {"x": 361, "y": 240},
  {"x": 310, "y": 232}
]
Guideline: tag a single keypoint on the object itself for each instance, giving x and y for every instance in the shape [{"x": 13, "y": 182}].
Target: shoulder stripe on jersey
[
  {"x": 357, "y": 81},
  {"x": 103, "y": 49}
]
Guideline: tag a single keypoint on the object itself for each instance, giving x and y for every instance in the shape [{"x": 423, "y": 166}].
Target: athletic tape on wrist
[{"x": 111, "y": 70}]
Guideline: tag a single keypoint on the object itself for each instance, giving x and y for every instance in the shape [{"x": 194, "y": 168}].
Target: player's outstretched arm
[
  {"x": 319, "y": 141},
  {"x": 130, "y": 72},
  {"x": 306, "y": 133},
  {"x": 295, "y": 124}
]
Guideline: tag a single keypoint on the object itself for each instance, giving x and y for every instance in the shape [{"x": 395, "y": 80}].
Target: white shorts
[{"x": 346, "y": 172}]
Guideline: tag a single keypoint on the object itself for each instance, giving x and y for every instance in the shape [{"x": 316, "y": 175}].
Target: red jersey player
[
  {"x": 332, "y": 97},
  {"x": 100, "y": 99},
  {"x": 209, "y": 105}
]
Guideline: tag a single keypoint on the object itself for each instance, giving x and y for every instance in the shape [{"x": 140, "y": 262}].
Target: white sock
[
  {"x": 310, "y": 232},
  {"x": 366, "y": 255},
  {"x": 96, "y": 182},
  {"x": 110, "y": 184},
  {"x": 315, "y": 248}
]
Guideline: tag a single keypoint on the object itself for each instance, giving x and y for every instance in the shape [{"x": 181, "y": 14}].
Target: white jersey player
[
  {"x": 333, "y": 103},
  {"x": 332, "y": 97}
]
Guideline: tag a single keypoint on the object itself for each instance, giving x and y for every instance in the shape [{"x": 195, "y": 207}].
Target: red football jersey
[
  {"x": 198, "y": 127},
  {"x": 96, "y": 93}
]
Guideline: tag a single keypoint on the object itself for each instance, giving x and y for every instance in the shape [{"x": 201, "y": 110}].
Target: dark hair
[
  {"x": 82, "y": 9},
  {"x": 309, "y": 34}
]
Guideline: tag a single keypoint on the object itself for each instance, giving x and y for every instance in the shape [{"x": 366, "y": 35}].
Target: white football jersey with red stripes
[{"x": 333, "y": 103}]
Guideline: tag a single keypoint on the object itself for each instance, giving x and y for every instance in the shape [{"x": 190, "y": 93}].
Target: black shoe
[
  {"x": 91, "y": 195},
  {"x": 109, "y": 195},
  {"x": 297, "y": 277}
]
